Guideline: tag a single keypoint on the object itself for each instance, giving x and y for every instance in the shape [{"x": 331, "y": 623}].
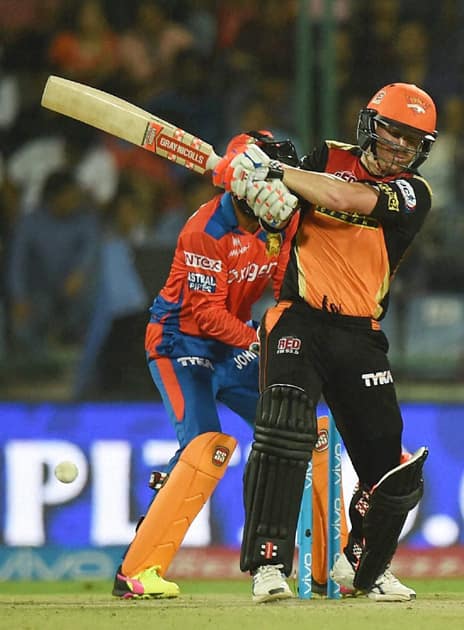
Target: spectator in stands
[
  {"x": 51, "y": 268},
  {"x": 9, "y": 203},
  {"x": 442, "y": 253},
  {"x": 112, "y": 362},
  {"x": 190, "y": 101},
  {"x": 201, "y": 21},
  {"x": 63, "y": 143},
  {"x": 148, "y": 48},
  {"x": 374, "y": 28},
  {"x": 87, "y": 51}
]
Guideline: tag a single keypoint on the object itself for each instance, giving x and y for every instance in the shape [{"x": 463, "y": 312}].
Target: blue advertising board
[{"x": 117, "y": 445}]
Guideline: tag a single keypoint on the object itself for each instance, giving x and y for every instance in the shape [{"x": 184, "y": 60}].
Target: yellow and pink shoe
[{"x": 147, "y": 584}]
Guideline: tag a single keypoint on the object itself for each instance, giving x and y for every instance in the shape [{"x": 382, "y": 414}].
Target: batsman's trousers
[{"x": 345, "y": 360}]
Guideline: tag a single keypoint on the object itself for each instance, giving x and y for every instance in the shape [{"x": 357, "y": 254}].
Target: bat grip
[{"x": 212, "y": 161}]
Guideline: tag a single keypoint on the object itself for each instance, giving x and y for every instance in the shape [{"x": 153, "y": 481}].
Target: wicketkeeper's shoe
[
  {"x": 269, "y": 584},
  {"x": 147, "y": 584},
  {"x": 386, "y": 589}
]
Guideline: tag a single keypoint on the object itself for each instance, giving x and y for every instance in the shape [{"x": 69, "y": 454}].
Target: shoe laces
[
  {"x": 155, "y": 569},
  {"x": 388, "y": 577},
  {"x": 268, "y": 570}
]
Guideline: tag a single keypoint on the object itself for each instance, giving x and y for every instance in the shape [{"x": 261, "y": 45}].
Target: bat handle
[{"x": 213, "y": 161}]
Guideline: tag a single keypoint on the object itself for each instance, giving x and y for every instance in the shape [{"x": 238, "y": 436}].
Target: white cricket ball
[{"x": 66, "y": 472}]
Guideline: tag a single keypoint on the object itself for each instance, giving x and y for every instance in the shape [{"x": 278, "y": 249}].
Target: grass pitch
[{"x": 221, "y": 605}]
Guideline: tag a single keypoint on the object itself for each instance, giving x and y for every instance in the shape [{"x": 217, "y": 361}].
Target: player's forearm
[
  {"x": 328, "y": 191},
  {"x": 225, "y": 327}
]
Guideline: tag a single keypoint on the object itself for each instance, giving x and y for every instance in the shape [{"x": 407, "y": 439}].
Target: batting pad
[
  {"x": 285, "y": 434},
  {"x": 398, "y": 492},
  {"x": 192, "y": 481}
]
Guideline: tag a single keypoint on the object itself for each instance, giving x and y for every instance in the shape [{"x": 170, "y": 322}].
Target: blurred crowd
[{"x": 87, "y": 221}]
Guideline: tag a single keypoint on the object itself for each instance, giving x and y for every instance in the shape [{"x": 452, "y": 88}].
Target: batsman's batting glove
[
  {"x": 271, "y": 201},
  {"x": 251, "y": 163},
  {"x": 222, "y": 173}
]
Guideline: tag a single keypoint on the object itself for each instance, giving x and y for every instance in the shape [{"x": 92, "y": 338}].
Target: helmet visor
[{"x": 397, "y": 143}]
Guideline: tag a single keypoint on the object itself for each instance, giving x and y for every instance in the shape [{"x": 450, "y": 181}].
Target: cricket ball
[{"x": 66, "y": 472}]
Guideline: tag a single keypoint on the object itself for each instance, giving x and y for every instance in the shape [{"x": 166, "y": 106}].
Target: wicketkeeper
[{"x": 197, "y": 346}]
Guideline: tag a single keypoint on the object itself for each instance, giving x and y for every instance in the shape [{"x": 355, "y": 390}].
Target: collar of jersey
[
  {"x": 228, "y": 213},
  {"x": 230, "y": 218}
]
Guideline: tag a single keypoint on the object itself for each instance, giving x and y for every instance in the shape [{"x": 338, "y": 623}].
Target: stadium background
[{"x": 302, "y": 69}]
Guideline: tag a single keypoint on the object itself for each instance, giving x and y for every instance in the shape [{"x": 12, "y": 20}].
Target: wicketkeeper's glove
[{"x": 255, "y": 345}]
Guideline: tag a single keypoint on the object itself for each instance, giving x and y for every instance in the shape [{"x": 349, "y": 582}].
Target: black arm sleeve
[
  {"x": 316, "y": 160},
  {"x": 402, "y": 203}
]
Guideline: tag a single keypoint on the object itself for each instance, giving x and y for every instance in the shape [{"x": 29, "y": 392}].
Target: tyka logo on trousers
[
  {"x": 372, "y": 379},
  {"x": 201, "y": 361}
]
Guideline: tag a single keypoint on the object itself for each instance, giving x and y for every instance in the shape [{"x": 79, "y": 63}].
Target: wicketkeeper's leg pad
[
  {"x": 285, "y": 434},
  {"x": 397, "y": 492},
  {"x": 192, "y": 481}
]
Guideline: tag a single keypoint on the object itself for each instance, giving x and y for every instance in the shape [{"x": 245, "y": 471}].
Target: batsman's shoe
[
  {"x": 269, "y": 584},
  {"x": 386, "y": 589},
  {"x": 147, "y": 584}
]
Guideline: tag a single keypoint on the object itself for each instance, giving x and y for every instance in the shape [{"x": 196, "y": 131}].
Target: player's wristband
[{"x": 273, "y": 229}]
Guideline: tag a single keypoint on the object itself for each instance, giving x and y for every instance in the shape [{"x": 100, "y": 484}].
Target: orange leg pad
[
  {"x": 320, "y": 505},
  {"x": 192, "y": 481}
]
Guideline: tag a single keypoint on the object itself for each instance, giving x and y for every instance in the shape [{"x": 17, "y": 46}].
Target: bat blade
[{"x": 124, "y": 120}]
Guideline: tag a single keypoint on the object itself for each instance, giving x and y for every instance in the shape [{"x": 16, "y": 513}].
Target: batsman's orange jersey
[{"x": 344, "y": 262}]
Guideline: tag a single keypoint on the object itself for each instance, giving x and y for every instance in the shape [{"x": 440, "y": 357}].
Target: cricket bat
[{"x": 129, "y": 122}]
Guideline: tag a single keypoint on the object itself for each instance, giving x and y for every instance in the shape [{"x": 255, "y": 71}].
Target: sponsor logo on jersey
[
  {"x": 201, "y": 361},
  {"x": 251, "y": 271},
  {"x": 239, "y": 249},
  {"x": 273, "y": 243},
  {"x": 201, "y": 261},
  {"x": 347, "y": 176},
  {"x": 201, "y": 282},
  {"x": 392, "y": 197},
  {"x": 244, "y": 358},
  {"x": 349, "y": 217},
  {"x": 289, "y": 345},
  {"x": 407, "y": 191},
  {"x": 373, "y": 379}
]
